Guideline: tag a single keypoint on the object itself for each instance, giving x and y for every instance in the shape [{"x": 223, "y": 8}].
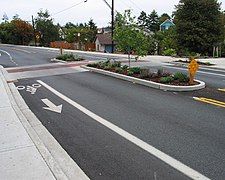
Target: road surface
[{"x": 107, "y": 125}]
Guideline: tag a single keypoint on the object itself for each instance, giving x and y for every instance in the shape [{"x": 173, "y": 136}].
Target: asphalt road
[{"x": 190, "y": 131}]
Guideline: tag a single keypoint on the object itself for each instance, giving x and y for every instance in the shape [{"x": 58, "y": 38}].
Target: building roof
[
  {"x": 105, "y": 39},
  {"x": 167, "y": 21}
]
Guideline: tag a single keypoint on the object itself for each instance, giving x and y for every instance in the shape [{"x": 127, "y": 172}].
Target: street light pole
[
  {"x": 112, "y": 26},
  {"x": 34, "y": 31}
]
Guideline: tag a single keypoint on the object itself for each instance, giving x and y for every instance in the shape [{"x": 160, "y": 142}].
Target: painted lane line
[
  {"x": 147, "y": 147},
  {"x": 22, "y": 50},
  {"x": 10, "y": 57},
  {"x": 222, "y": 90},
  {"x": 210, "y": 101},
  {"x": 215, "y": 74},
  {"x": 52, "y": 107}
]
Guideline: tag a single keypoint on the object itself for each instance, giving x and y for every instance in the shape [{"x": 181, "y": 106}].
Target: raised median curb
[{"x": 151, "y": 84}]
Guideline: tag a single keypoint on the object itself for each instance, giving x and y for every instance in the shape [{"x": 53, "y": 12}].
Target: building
[
  {"x": 103, "y": 43},
  {"x": 166, "y": 25}
]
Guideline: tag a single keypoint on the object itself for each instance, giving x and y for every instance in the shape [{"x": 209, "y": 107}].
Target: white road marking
[
  {"x": 51, "y": 106},
  {"x": 10, "y": 57},
  {"x": 147, "y": 147},
  {"x": 20, "y": 88},
  {"x": 22, "y": 50},
  {"x": 215, "y": 74}
]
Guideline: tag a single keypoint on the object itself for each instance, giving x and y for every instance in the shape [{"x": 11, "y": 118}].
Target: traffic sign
[{"x": 192, "y": 68}]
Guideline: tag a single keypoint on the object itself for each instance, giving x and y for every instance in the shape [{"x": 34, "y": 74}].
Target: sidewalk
[
  {"x": 19, "y": 157},
  {"x": 27, "y": 150}
]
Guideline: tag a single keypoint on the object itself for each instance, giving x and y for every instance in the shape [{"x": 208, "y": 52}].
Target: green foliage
[
  {"x": 130, "y": 73},
  {"x": 69, "y": 57},
  {"x": 153, "y": 21},
  {"x": 119, "y": 70},
  {"x": 125, "y": 67},
  {"x": 128, "y": 36},
  {"x": 166, "y": 80},
  {"x": 167, "y": 40},
  {"x": 144, "y": 72},
  {"x": 149, "y": 22},
  {"x": 44, "y": 24},
  {"x": 181, "y": 77},
  {"x": 169, "y": 52},
  {"x": 16, "y": 32},
  {"x": 135, "y": 70},
  {"x": 199, "y": 25},
  {"x": 87, "y": 32}
]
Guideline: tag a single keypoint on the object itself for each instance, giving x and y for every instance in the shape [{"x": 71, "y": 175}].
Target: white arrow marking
[{"x": 51, "y": 106}]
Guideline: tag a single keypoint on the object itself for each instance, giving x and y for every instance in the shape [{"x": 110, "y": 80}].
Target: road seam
[{"x": 143, "y": 145}]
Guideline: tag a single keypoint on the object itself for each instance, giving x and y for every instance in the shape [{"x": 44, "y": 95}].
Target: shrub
[
  {"x": 119, "y": 70},
  {"x": 181, "y": 77},
  {"x": 169, "y": 52},
  {"x": 130, "y": 73},
  {"x": 166, "y": 80},
  {"x": 135, "y": 70},
  {"x": 94, "y": 65},
  {"x": 144, "y": 72},
  {"x": 159, "y": 72},
  {"x": 125, "y": 67},
  {"x": 116, "y": 64},
  {"x": 69, "y": 57}
]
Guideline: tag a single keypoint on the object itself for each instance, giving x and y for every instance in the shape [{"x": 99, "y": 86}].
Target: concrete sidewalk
[
  {"x": 19, "y": 157},
  {"x": 27, "y": 150}
]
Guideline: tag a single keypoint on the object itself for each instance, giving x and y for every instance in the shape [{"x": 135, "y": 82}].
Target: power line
[
  {"x": 84, "y": 1},
  {"x": 136, "y": 5}
]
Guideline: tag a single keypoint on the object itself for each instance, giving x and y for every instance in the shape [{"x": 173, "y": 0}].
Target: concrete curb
[
  {"x": 57, "y": 60},
  {"x": 151, "y": 84},
  {"x": 59, "y": 162}
]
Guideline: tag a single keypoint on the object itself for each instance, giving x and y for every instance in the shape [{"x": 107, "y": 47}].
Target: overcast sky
[{"x": 95, "y": 9}]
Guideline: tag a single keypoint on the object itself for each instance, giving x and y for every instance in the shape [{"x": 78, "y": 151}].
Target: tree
[
  {"x": 129, "y": 37},
  {"x": 153, "y": 19},
  {"x": 23, "y": 31},
  {"x": 44, "y": 25},
  {"x": 167, "y": 40},
  {"x": 16, "y": 32},
  {"x": 87, "y": 32},
  {"x": 143, "y": 20},
  {"x": 199, "y": 25},
  {"x": 164, "y": 17}
]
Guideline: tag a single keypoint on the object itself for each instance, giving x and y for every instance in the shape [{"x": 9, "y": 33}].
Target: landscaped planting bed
[{"x": 161, "y": 76}]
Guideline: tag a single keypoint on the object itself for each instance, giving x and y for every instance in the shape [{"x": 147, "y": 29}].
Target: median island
[{"x": 159, "y": 79}]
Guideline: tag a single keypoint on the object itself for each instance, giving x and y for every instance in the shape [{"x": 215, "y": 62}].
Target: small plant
[
  {"x": 125, "y": 67},
  {"x": 135, "y": 70},
  {"x": 116, "y": 64},
  {"x": 144, "y": 72},
  {"x": 119, "y": 70},
  {"x": 159, "y": 72},
  {"x": 166, "y": 80},
  {"x": 69, "y": 57},
  {"x": 181, "y": 77},
  {"x": 130, "y": 73},
  {"x": 94, "y": 65}
]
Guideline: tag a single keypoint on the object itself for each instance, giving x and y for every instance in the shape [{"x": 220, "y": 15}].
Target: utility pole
[
  {"x": 35, "y": 41},
  {"x": 112, "y": 26}
]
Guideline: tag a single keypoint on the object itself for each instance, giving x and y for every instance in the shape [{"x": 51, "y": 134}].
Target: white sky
[{"x": 95, "y": 9}]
